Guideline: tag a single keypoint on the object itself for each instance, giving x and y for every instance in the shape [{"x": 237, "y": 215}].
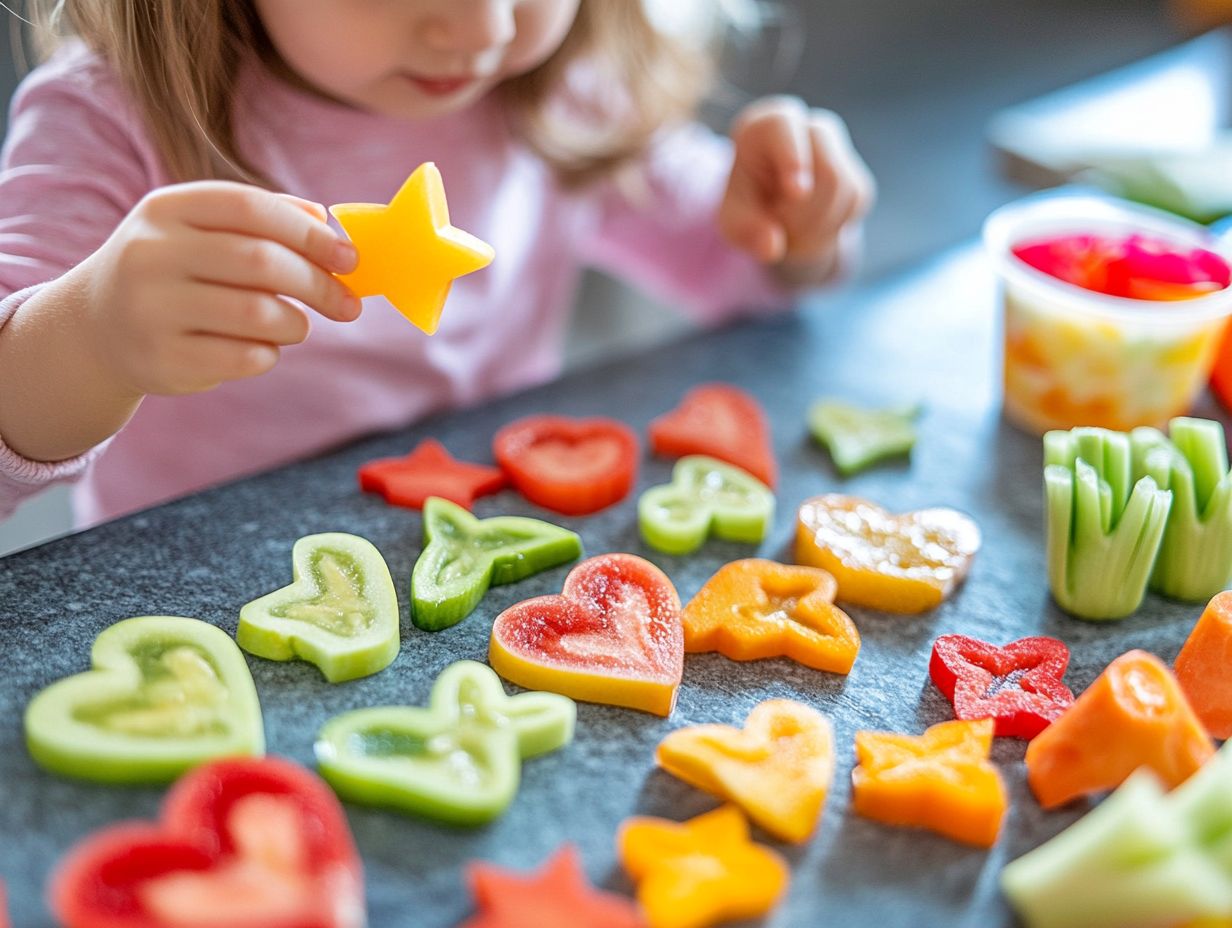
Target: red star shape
[
  {"x": 558, "y": 896},
  {"x": 429, "y": 470}
]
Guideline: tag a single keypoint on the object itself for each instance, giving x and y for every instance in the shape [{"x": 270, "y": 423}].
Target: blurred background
[{"x": 919, "y": 83}]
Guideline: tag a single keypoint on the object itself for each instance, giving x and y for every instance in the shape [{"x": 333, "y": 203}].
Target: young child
[{"x": 162, "y": 239}]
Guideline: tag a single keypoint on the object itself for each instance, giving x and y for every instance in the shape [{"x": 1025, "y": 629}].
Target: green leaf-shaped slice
[
  {"x": 464, "y": 556},
  {"x": 857, "y": 437}
]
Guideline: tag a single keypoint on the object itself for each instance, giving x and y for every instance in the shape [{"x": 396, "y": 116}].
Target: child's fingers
[
  {"x": 747, "y": 225},
  {"x": 317, "y": 210},
  {"x": 773, "y": 136},
  {"x": 249, "y": 315},
  {"x": 839, "y": 168},
  {"x": 261, "y": 264},
  {"x": 198, "y": 362}
]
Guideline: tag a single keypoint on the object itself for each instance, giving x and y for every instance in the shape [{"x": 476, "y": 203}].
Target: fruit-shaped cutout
[
  {"x": 408, "y": 251},
  {"x": 778, "y": 768},
  {"x": 754, "y": 608},
  {"x": 463, "y": 556},
  {"x": 1134, "y": 715},
  {"x": 1204, "y": 664},
  {"x": 429, "y": 471},
  {"x": 719, "y": 421},
  {"x": 1017, "y": 686},
  {"x": 706, "y": 497},
  {"x": 571, "y": 466},
  {"x": 558, "y": 896},
  {"x": 339, "y": 613},
  {"x": 941, "y": 780},
  {"x": 166, "y": 694},
  {"x": 859, "y": 438},
  {"x": 612, "y": 636},
  {"x": 896, "y": 563},
  {"x": 701, "y": 872},
  {"x": 241, "y": 843},
  {"x": 457, "y": 761}
]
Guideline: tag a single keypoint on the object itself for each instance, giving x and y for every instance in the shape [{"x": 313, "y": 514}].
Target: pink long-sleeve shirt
[{"x": 78, "y": 157}]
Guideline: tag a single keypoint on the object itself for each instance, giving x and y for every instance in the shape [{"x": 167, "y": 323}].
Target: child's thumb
[{"x": 753, "y": 231}]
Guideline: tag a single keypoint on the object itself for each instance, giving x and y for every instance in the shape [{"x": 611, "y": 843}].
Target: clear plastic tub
[{"x": 1076, "y": 357}]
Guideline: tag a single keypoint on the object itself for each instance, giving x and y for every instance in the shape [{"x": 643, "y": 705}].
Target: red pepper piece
[
  {"x": 571, "y": 466},
  {"x": 558, "y": 896},
  {"x": 1017, "y": 686},
  {"x": 256, "y": 843},
  {"x": 429, "y": 470},
  {"x": 721, "y": 421}
]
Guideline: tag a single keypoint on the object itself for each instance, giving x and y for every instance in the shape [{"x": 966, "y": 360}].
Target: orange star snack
[
  {"x": 778, "y": 768},
  {"x": 700, "y": 872},
  {"x": 1134, "y": 715},
  {"x": 755, "y": 608},
  {"x": 895, "y": 563},
  {"x": 408, "y": 251},
  {"x": 941, "y": 780},
  {"x": 558, "y": 896}
]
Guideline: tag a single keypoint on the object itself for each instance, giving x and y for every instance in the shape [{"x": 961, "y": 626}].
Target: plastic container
[{"x": 1077, "y": 357}]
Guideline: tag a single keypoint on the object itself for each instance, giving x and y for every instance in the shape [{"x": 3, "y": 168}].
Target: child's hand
[
  {"x": 796, "y": 185},
  {"x": 191, "y": 289}
]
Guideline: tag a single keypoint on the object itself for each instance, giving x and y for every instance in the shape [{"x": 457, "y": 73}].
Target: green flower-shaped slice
[
  {"x": 706, "y": 497},
  {"x": 857, "y": 438}
]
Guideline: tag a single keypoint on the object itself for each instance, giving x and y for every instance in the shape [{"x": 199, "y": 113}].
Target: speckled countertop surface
[{"x": 925, "y": 335}]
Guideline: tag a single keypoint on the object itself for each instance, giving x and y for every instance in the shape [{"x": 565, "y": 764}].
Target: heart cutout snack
[
  {"x": 571, "y": 466},
  {"x": 457, "y": 761},
  {"x": 720, "y": 421},
  {"x": 612, "y": 636},
  {"x": 166, "y": 694},
  {"x": 896, "y": 563},
  {"x": 253, "y": 843},
  {"x": 778, "y": 768}
]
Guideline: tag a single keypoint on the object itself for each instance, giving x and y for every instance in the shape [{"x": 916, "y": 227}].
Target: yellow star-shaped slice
[{"x": 408, "y": 251}]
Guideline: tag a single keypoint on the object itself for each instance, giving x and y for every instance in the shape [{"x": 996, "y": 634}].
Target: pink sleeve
[
  {"x": 71, "y": 168},
  {"x": 663, "y": 236}
]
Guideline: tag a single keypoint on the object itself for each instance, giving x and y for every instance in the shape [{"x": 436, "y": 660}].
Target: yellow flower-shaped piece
[
  {"x": 700, "y": 872},
  {"x": 408, "y": 251}
]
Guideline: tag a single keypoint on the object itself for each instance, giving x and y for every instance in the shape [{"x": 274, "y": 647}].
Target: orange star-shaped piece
[
  {"x": 429, "y": 470},
  {"x": 941, "y": 780},
  {"x": 754, "y": 608},
  {"x": 408, "y": 251},
  {"x": 558, "y": 896},
  {"x": 703, "y": 871}
]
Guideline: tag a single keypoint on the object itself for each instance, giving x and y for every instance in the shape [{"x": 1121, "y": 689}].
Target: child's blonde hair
[{"x": 181, "y": 62}]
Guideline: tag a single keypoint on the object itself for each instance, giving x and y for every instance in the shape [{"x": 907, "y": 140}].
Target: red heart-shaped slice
[
  {"x": 720, "y": 421},
  {"x": 242, "y": 843},
  {"x": 571, "y": 466},
  {"x": 612, "y": 636}
]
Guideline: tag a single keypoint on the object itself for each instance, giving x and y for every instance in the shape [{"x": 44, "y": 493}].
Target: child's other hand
[
  {"x": 191, "y": 289},
  {"x": 796, "y": 185}
]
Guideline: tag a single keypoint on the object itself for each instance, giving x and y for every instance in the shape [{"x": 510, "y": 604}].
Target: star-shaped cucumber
[
  {"x": 340, "y": 613},
  {"x": 701, "y": 872},
  {"x": 457, "y": 761},
  {"x": 706, "y": 497},
  {"x": 408, "y": 251},
  {"x": 558, "y": 896},
  {"x": 427, "y": 471},
  {"x": 754, "y": 608},
  {"x": 166, "y": 694},
  {"x": 463, "y": 556},
  {"x": 858, "y": 438}
]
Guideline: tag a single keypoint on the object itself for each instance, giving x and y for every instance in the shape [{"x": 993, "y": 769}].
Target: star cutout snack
[
  {"x": 558, "y": 896},
  {"x": 941, "y": 780},
  {"x": 755, "y": 608},
  {"x": 340, "y": 612},
  {"x": 429, "y": 470},
  {"x": 701, "y": 872},
  {"x": 463, "y": 556},
  {"x": 858, "y": 438},
  {"x": 457, "y": 761},
  {"x": 778, "y": 768},
  {"x": 408, "y": 251},
  {"x": 1134, "y": 715},
  {"x": 1018, "y": 686}
]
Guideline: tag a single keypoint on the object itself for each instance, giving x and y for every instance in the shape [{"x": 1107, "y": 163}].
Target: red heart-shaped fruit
[
  {"x": 242, "y": 843},
  {"x": 720, "y": 421},
  {"x": 612, "y": 636}
]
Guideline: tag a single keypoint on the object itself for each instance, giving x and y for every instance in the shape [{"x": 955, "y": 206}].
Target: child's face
[{"x": 413, "y": 58}]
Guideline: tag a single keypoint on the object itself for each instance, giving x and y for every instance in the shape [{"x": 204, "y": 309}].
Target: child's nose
[{"x": 471, "y": 25}]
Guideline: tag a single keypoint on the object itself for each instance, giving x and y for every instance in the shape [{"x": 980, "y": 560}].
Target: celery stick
[
  {"x": 1102, "y": 538},
  {"x": 1195, "y": 558}
]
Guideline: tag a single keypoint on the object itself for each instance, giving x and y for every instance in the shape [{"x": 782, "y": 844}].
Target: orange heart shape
[
  {"x": 897, "y": 563},
  {"x": 778, "y": 768}
]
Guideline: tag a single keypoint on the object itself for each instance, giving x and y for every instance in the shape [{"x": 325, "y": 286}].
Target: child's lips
[{"x": 441, "y": 86}]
